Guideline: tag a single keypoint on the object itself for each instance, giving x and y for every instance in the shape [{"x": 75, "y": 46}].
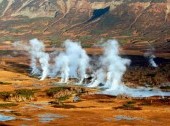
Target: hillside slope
[{"x": 136, "y": 23}]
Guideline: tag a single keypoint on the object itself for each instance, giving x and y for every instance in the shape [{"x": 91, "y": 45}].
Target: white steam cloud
[
  {"x": 116, "y": 66},
  {"x": 73, "y": 62},
  {"x": 111, "y": 71},
  {"x": 151, "y": 61},
  {"x": 150, "y": 55},
  {"x": 38, "y": 54},
  {"x": 78, "y": 60},
  {"x": 113, "y": 67},
  {"x": 70, "y": 63}
]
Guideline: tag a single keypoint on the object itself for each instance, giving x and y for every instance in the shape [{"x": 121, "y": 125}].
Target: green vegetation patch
[
  {"x": 4, "y": 83},
  {"x": 97, "y": 32},
  {"x": 87, "y": 41},
  {"x": 6, "y": 105},
  {"x": 27, "y": 93},
  {"x": 129, "y": 105},
  {"x": 85, "y": 38},
  {"x": 54, "y": 90},
  {"x": 8, "y": 38},
  {"x": 109, "y": 21},
  {"x": 24, "y": 93},
  {"x": 63, "y": 98},
  {"x": 6, "y": 95},
  {"x": 55, "y": 40}
]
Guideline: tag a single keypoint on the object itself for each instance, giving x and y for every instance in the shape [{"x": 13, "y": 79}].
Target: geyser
[
  {"x": 78, "y": 60},
  {"x": 70, "y": 63},
  {"x": 38, "y": 54},
  {"x": 73, "y": 62},
  {"x": 150, "y": 56},
  {"x": 112, "y": 67},
  {"x": 110, "y": 73},
  {"x": 36, "y": 48},
  {"x": 115, "y": 65}
]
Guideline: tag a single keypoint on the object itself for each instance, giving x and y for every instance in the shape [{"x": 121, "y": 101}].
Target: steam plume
[
  {"x": 150, "y": 55},
  {"x": 113, "y": 67},
  {"x": 116, "y": 66},
  {"x": 111, "y": 71},
  {"x": 38, "y": 54},
  {"x": 62, "y": 67},
  {"x": 72, "y": 63}
]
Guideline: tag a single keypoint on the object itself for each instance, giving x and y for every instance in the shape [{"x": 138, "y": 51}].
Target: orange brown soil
[
  {"x": 93, "y": 109},
  {"x": 92, "y": 112},
  {"x": 125, "y": 50}
]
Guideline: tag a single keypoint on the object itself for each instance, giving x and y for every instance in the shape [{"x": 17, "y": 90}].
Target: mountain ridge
[{"x": 130, "y": 21}]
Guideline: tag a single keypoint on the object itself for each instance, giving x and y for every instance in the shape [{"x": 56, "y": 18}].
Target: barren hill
[{"x": 136, "y": 23}]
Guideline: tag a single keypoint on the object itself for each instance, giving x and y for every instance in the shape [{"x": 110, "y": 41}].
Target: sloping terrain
[{"x": 138, "y": 24}]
